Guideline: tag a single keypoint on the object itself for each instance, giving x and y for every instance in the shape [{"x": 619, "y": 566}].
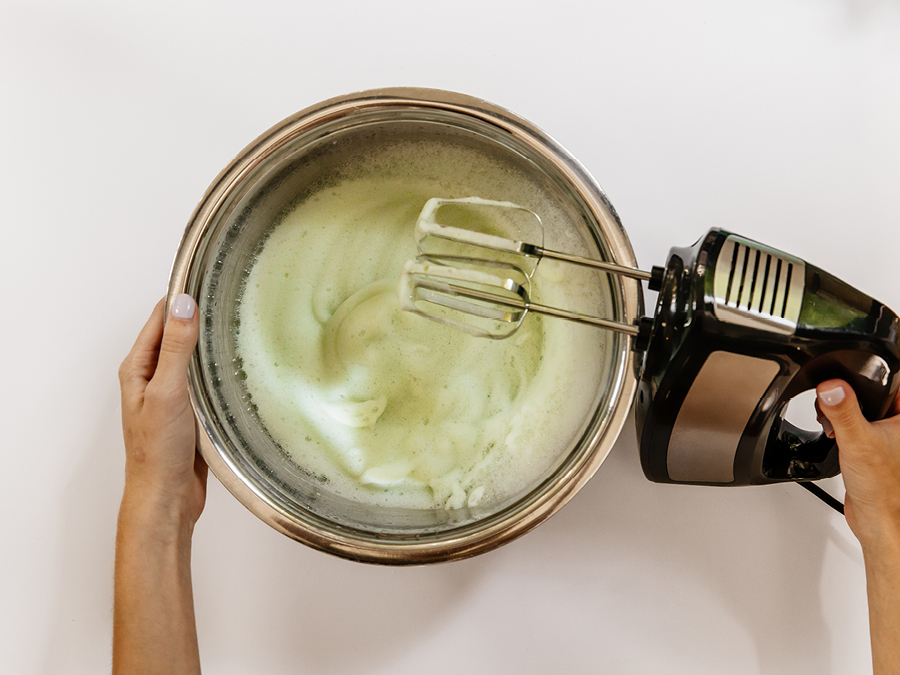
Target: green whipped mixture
[{"x": 392, "y": 408}]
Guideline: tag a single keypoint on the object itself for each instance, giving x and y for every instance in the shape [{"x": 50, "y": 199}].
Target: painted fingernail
[
  {"x": 183, "y": 307},
  {"x": 832, "y": 396},
  {"x": 826, "y": 427}
]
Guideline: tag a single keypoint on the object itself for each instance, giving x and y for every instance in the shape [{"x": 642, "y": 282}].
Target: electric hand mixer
[{"x": 739, "y": 330}]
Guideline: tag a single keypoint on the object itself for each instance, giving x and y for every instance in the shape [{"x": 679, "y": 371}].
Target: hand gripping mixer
[{"x": 739, "y": 330}]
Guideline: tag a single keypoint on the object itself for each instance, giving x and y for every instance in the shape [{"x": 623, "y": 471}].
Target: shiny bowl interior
[{"x": 298, "y": 157}]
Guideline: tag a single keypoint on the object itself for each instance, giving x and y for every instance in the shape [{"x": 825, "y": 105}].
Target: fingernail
[
  {"x": 832, "y": 396},
  {"x": 826, "y": 427},
  {"x": 183, "y": 307}
]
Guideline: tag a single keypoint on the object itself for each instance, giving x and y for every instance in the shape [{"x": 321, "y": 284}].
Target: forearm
[
  {"x": 883, "y": 589},
  {"x": 153, "y": 623}
]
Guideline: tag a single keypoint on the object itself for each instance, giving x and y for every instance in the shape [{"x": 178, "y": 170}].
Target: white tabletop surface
[{"x": 775, "y": 119}]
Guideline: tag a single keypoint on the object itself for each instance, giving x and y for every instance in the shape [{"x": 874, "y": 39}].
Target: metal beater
[{"x": 479, "y": 282}]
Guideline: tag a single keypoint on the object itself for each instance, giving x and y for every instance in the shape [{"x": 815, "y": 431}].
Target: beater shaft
[{"x": 456, "y": 290}]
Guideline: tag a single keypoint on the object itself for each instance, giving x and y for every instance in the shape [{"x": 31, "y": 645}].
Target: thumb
[
  {"x": 838, "y": 403},
  {"x": 178, "y": 342}
]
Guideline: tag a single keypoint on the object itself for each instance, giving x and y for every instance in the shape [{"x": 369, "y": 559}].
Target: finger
[
  {"x": 140, "y": 364},
  {"x": 821, "y": 419},
  {"x": 838, "y": 403},
  {"x": 178, "y": 342}
]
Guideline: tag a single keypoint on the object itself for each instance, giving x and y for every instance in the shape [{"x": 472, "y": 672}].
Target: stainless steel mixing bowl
[{"x": 293, "y": 158}]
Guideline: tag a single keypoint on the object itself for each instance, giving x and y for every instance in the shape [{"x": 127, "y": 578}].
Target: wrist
[
  {"x": 155, "y": 513},
  {"x": 881, "y": 545}
]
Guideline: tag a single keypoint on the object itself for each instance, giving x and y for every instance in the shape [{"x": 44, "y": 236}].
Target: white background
[{"x": 777, "y": 119}]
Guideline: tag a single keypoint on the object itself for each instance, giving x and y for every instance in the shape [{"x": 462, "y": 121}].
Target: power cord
[{"x": 824, "y": 496}]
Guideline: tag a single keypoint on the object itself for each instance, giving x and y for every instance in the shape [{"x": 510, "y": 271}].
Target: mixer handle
[
  {"x": 808, "y": 455},
  {"x": 866, "y": 360}
]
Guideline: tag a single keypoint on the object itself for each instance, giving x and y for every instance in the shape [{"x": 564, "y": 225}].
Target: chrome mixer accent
[{"x": 758, "y": 286}]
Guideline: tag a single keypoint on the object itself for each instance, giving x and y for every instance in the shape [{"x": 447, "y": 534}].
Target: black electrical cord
[{"x": 824, "y": 496}]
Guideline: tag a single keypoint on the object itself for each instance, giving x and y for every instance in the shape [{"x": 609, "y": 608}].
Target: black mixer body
[{"x": 739, "y": 330}]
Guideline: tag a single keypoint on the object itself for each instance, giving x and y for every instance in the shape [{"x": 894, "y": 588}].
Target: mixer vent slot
[{"x": 758, "y": 286}]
